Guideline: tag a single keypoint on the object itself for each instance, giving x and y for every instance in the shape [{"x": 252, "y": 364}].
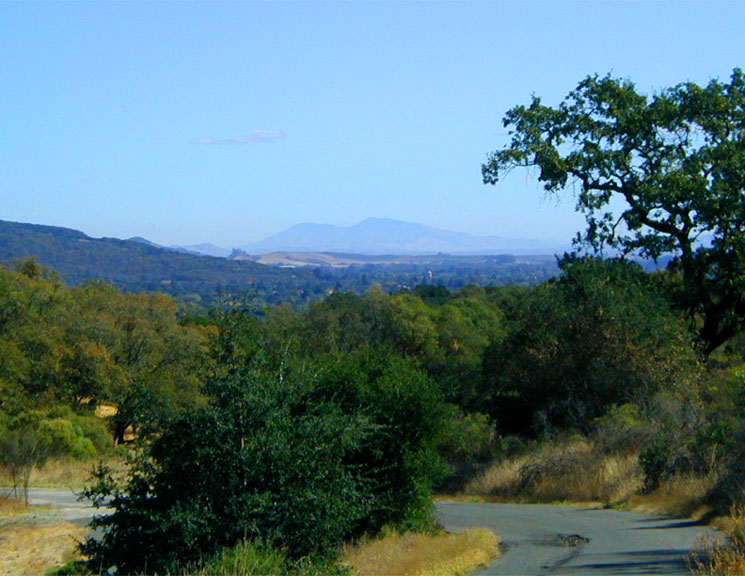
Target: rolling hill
[{"x": 137, "y": 265}]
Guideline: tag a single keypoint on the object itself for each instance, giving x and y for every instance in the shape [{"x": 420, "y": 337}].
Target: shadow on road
[
  {"x": 681, "y": 524},
  {"x": 670, "y": 561}
]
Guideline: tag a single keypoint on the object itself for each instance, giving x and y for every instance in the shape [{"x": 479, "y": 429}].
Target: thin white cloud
[{"x": 258, "y": 137}]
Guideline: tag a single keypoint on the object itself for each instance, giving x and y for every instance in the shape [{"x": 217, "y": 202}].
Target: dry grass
[
  {"x": 29, "y": 547},
  {"x": 11, "y": 507},
  {"x": 64, "y": 473},
  {"x": 570, "y": 470},
  {"x": 681, "y": 495},
  {"x": 423, "y": 555},
  {"x": 106, "y": 410},
  {"x": 714, "y": 557}
]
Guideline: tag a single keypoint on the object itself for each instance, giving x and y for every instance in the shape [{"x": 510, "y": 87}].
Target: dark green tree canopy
[{"x": 675, "y": 161}]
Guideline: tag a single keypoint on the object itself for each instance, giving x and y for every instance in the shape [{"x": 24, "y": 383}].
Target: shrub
[
  {"x": 260, "y": 463},
  {"x": 468, "y": 441},
  {"x": 29, "y": 439},
  {"x": 298, "y": 459},
  {"x": 601, "y": 334},
  {"x": 399, "y": 457},
  {"x": 654, "y": 462},
  {"x": 623, "y": 429}
]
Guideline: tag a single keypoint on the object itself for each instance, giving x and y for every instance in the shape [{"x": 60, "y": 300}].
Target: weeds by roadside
[
  {"x": 714, "y": 557},
  {"x": 409, "y": 554},
  {"x": 10, "y": 506},
  {"x": 567, "y": 470}
]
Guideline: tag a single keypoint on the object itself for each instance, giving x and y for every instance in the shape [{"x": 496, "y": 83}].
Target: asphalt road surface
[
  {"x": 536, "y": 539},
  {"x": 66, "y": 502},
  {"x": 544, "y": 539}
]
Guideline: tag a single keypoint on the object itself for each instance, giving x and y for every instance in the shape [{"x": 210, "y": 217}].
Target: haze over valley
[{"x": 383, "y": 236}]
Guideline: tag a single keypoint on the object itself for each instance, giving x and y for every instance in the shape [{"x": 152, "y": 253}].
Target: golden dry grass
[
  {"x": 713, "y": 557},
  {"x": 423, "y": 555},
  {"x": 573, "y": 471},
  {"x": 28, "y": 548},
  {"x": 64, "y": 473},
  {"x": 680, "y": 495},
  {"x": 11, "y": 507},
  {"x": 570, "y": 471},
  {"x": 106, "y": 410}
]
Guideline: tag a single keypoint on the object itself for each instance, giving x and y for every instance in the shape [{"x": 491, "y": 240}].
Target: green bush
[
  {"x": 467, "y": 442},
  {"x": 270, "y": 469},
  {"x": 398, "y": 458},
  {"x": 600, "y": 334},
  {"x": 623, "y": 429},
  {"x": 64, "y": 438},
  {"x": 299, "y": 458}
]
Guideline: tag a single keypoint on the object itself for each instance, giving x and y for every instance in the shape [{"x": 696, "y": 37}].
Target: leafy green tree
[
  {"x": 410, "y": 328},
  {"x": 21, "y": 449},
  {"x": 297, "y": 455},
  {"x": 136, "y": 356},
  {"x": 675, "y": 162},
  {"x": 601, "y": 334},
  {"x": 432, "y": 294},
  {"x": 339, "y": 324},
  {"x": 398, "y": 458},
  {"x": 29, "y": 439},
  {"x": 31, "y": 336},
  {"x": 466, "y": 325}
]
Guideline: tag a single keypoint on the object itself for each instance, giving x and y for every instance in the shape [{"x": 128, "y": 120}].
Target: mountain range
[{"x": 378, "y": 236}]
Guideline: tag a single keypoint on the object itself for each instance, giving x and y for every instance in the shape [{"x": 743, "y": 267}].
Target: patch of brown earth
[{"x": 31, "y": 544}]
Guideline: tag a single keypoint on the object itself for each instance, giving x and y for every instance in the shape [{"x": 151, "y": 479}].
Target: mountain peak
[{"x": 376, "y": 236}]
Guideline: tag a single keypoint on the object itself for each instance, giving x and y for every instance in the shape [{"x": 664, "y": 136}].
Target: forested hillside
[{"x": 136, "y": 266}]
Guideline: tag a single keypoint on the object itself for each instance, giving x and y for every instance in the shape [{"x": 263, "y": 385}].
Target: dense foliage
[
  {"x": 93, "y": 345},
  {"x": 288, "y": 432},
  {"x": 601, "y": 334},
  {"x": 298, "y": 457}
]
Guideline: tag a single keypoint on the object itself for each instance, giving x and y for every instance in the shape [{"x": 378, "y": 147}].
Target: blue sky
[{"x": 226, "y": 122}]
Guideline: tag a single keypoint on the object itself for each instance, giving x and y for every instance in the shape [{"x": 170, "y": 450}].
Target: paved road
[
  {"x": 544, "y": 539},
  {"x": 66, "y": 501}
]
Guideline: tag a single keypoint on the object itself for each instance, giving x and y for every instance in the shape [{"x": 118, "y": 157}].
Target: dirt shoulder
[{"x": 35, "y": 541}]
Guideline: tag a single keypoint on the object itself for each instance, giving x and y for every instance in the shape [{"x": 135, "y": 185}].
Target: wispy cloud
[{"x": 257, "y": 137}]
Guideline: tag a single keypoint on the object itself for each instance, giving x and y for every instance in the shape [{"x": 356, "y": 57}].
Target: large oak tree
[{"x": 674, "y": 161}]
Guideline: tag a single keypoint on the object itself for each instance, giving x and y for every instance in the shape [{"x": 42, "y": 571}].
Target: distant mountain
[
  {"x": 384, "y": 236},
  {"x": 140, "y": 265}
]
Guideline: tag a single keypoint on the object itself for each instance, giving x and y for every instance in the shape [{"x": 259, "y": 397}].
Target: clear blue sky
[{"x": 226, "y": 122}]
